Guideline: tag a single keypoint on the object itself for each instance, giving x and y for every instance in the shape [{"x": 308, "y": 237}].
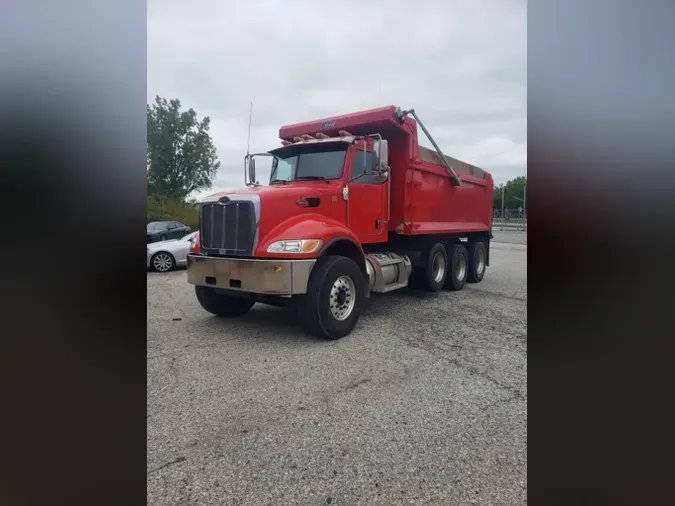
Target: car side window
[{"x": 358, "y": 166}]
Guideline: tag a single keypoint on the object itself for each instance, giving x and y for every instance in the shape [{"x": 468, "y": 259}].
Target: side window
[
  {"x": 284, "y": 171},
  {"x": 358, "y": 166}
]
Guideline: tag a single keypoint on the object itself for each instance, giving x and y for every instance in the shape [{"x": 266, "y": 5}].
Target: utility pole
[{"x": 503, "y": 217}]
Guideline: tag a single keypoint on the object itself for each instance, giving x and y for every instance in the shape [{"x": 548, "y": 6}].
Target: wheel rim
[
  {"x": 342, "y": 298},
  {"x": 460, "y": 267},
  {"x": 480, "y": 262},
  {"x": 438, "y": 269},
  {"x": 162, "y": 262}
]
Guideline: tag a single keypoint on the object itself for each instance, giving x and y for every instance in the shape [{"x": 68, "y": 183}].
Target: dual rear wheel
[{"x": 452, "y": 266}]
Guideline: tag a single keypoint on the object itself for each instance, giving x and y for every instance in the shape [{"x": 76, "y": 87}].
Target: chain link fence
[{"x": 513, "y": 219}]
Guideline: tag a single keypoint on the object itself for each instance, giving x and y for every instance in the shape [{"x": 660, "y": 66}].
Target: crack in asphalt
[{"x": 163, "y": 466}]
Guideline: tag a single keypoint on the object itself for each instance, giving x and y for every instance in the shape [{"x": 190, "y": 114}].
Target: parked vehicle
[
  {"x": 166, "y": 255},
  {"x": 163, "y": 230},
  {"x": 355, "y": 205}
]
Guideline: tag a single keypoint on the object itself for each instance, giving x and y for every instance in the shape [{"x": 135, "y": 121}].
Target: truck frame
[{"x": 354, "y": 206}]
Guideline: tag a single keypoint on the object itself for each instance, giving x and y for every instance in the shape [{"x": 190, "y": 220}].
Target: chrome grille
[{"x": 228, "y": 229}]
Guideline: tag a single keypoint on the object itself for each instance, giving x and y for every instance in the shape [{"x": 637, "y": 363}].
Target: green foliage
[
  {"x": 181, "y": 154},
  {"x": 513, "y": 194},
  {"x": 170, "y": 209}
]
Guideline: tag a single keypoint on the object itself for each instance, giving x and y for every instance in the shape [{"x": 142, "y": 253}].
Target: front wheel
[
  {"x": 223, "y": 305},
  {"x": 334, "y": 299}
]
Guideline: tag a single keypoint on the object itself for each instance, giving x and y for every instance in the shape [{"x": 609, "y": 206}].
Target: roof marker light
[
  {"x": 321, "y": 135},
  {"x": 297, "y": 139},
  {"x": 307, "y": 137},
  {"x": 344, "y": 133}
]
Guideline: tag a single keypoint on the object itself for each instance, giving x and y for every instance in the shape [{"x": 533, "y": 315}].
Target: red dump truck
[{"x": 354, "y": 205}]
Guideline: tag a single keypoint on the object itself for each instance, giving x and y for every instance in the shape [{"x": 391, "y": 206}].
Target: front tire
[
  {"x": 162, "y": 261},
  {"x": 459, "y": 267},
  {"x": 228, "y": 306},
  {"x": 334, "y": 299}
]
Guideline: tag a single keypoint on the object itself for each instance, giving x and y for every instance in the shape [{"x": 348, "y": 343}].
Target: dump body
[{"x": 422, "y": 198}]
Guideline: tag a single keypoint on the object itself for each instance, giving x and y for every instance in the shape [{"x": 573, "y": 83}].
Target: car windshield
[{"x": 308, "y": 162}]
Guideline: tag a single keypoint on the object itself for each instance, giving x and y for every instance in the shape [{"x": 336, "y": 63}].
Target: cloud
[{"x": 461, "y": 65}]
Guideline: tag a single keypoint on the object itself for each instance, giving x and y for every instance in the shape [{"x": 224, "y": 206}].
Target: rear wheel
[
  {"x": 477, "y": 261},
  {"x": 436, "y": 268},
  {"x": 162, "y": 261},
  {"x": 334, "y": 299},
  {"x": 222, "y": 305},
  {"x": 459, "y": 267}
]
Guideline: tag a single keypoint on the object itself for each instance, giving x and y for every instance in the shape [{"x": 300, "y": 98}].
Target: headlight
[{"x": 295, "y": 246}]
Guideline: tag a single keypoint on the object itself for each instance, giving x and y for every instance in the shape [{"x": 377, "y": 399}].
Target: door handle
[{"x": 377, "y": 224}]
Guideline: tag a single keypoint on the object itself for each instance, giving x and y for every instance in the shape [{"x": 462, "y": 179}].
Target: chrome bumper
[{"x": 271, "y": 277}]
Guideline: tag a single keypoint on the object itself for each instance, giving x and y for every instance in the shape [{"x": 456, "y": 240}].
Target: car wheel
[{"x": 162, "y": 261}]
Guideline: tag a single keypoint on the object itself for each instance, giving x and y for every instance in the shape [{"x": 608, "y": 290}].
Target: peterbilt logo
[
  {"x": 328, "y": 124},
  {"x": 224, "y": 200}
]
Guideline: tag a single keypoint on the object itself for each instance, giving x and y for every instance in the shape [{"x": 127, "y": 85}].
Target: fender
[{"x": 307, "y": 226}]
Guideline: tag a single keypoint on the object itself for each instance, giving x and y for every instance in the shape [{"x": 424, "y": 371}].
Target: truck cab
[{"x": 320, "y": 236}]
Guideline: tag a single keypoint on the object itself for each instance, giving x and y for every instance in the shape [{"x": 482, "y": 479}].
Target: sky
[{"x": 461, "y": 64}]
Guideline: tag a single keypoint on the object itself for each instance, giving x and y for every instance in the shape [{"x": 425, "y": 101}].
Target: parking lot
[{"x": 425, "y": 402}]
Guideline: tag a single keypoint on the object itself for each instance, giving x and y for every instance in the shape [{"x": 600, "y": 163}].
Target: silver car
[{"x": 166, "y": 255}]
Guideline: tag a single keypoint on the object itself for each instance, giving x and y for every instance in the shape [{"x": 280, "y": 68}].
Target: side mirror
[
  {"x": 380, "y": 155},
  {"x": 383, "y": 155},
  {"x": 376, "y": 156},
  {"x": 251, "y": 169}
]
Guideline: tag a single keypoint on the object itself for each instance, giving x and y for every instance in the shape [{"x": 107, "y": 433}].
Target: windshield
[
  {"x": 156, "y": 225},
  {"x": 308, "y": 162}
]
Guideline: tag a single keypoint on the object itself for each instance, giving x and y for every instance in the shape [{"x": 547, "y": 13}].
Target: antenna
[{"x": 250, "y": 116}]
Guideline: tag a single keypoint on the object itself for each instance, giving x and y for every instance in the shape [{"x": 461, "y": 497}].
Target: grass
[{"x": 166, "y": 209}]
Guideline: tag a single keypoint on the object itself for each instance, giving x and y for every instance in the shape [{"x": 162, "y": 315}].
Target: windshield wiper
[
  {"x": 318, "y": 178},
  {"x": 278, "y": 181}
]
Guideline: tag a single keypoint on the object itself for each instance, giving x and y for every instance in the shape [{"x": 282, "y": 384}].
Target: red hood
[
  {"x": 278, "y": 202},
  {"x": 285, "y": 191}
]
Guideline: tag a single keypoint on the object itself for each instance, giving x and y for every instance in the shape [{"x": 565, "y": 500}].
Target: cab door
[{"x": 368, "y": 200}]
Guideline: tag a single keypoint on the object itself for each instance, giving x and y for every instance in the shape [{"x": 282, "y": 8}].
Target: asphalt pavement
[{"x": 425, "y": 402}]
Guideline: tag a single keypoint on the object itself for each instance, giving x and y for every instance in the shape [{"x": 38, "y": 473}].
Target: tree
[
  {"x": 181, "y": 154},
  {"x": 513, "y": 194}
]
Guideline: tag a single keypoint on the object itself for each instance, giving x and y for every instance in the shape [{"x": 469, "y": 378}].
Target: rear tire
[
  {"x": 228, "y": 306},
  {"x": 436, "y": 268},
  {"x": 334, "y": 299},
  {"x": 459, "y": 267},
  {"x": 477, "y": 261}
]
